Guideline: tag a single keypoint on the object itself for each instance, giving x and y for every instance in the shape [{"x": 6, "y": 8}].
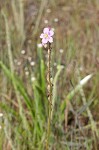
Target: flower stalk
[
  {"x": 47, "y": 39},
  {"x": 49, "y": 90}
]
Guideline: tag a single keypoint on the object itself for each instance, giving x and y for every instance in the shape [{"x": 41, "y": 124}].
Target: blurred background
[{"x": 74, "y": 70}]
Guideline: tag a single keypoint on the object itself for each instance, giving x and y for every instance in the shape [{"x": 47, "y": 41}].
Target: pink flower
[{"x": 46, "y": 36}]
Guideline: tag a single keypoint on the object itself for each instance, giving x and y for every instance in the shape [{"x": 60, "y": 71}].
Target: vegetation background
[{"x": 75, "y": 73}]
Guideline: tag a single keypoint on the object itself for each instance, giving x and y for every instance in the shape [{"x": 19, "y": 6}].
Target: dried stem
[{"x": 49, "y": 90}]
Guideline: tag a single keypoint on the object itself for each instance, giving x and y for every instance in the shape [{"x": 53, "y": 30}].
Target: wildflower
[
  {"x": 56, "y": 20},
  {"x": 46, "y": 36},
  {"x": 23, "y": 52},
  {"x": 27, "y": 73},
  {"x": 48, "y": 10},
  {"x": 1, "y": 115},
  {"x": 33, "y": 78},
  {"x": 61, "y": 50},
  {"x": 0, "y": 127},
  {"x": 45, "y": 21},
  {"x": 32, "y": 63}
]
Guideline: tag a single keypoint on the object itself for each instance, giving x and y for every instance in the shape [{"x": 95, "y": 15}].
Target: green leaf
[
  {"x": 76, "y": 89},
  {"x": 20, "y": 87}
]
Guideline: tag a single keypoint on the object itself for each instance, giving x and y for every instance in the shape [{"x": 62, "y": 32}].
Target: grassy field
[{"x": 24, "y": 106}]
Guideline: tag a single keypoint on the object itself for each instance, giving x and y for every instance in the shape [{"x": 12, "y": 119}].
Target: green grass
[{"x": 75, "y": 98}]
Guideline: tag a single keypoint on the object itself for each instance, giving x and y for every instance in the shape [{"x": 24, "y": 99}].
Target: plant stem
[{"x": 49, "y": 88}]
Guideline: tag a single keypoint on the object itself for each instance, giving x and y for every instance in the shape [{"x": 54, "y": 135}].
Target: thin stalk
[
  {"x": 40, "y": 13},
  {"x": 21, "y": 10},
  {"x": 8, "y": 41},
  {"x": 49, "y": 89},
  {"x": 93, "y": 125}
]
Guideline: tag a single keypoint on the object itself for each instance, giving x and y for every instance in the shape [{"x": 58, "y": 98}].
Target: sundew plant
[
  {"x": 47, "y": 39},
  {"x": 49, "y": 75}
]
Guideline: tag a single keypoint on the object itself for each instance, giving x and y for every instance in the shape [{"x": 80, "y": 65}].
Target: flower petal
[
  {"x": 50, "y": 39},
  {"x": 46, "y": 30},
  {"x": 42, "y": 35},
  {"x": 44, "y": 41},
  {"x": 51, "y": 32}
]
